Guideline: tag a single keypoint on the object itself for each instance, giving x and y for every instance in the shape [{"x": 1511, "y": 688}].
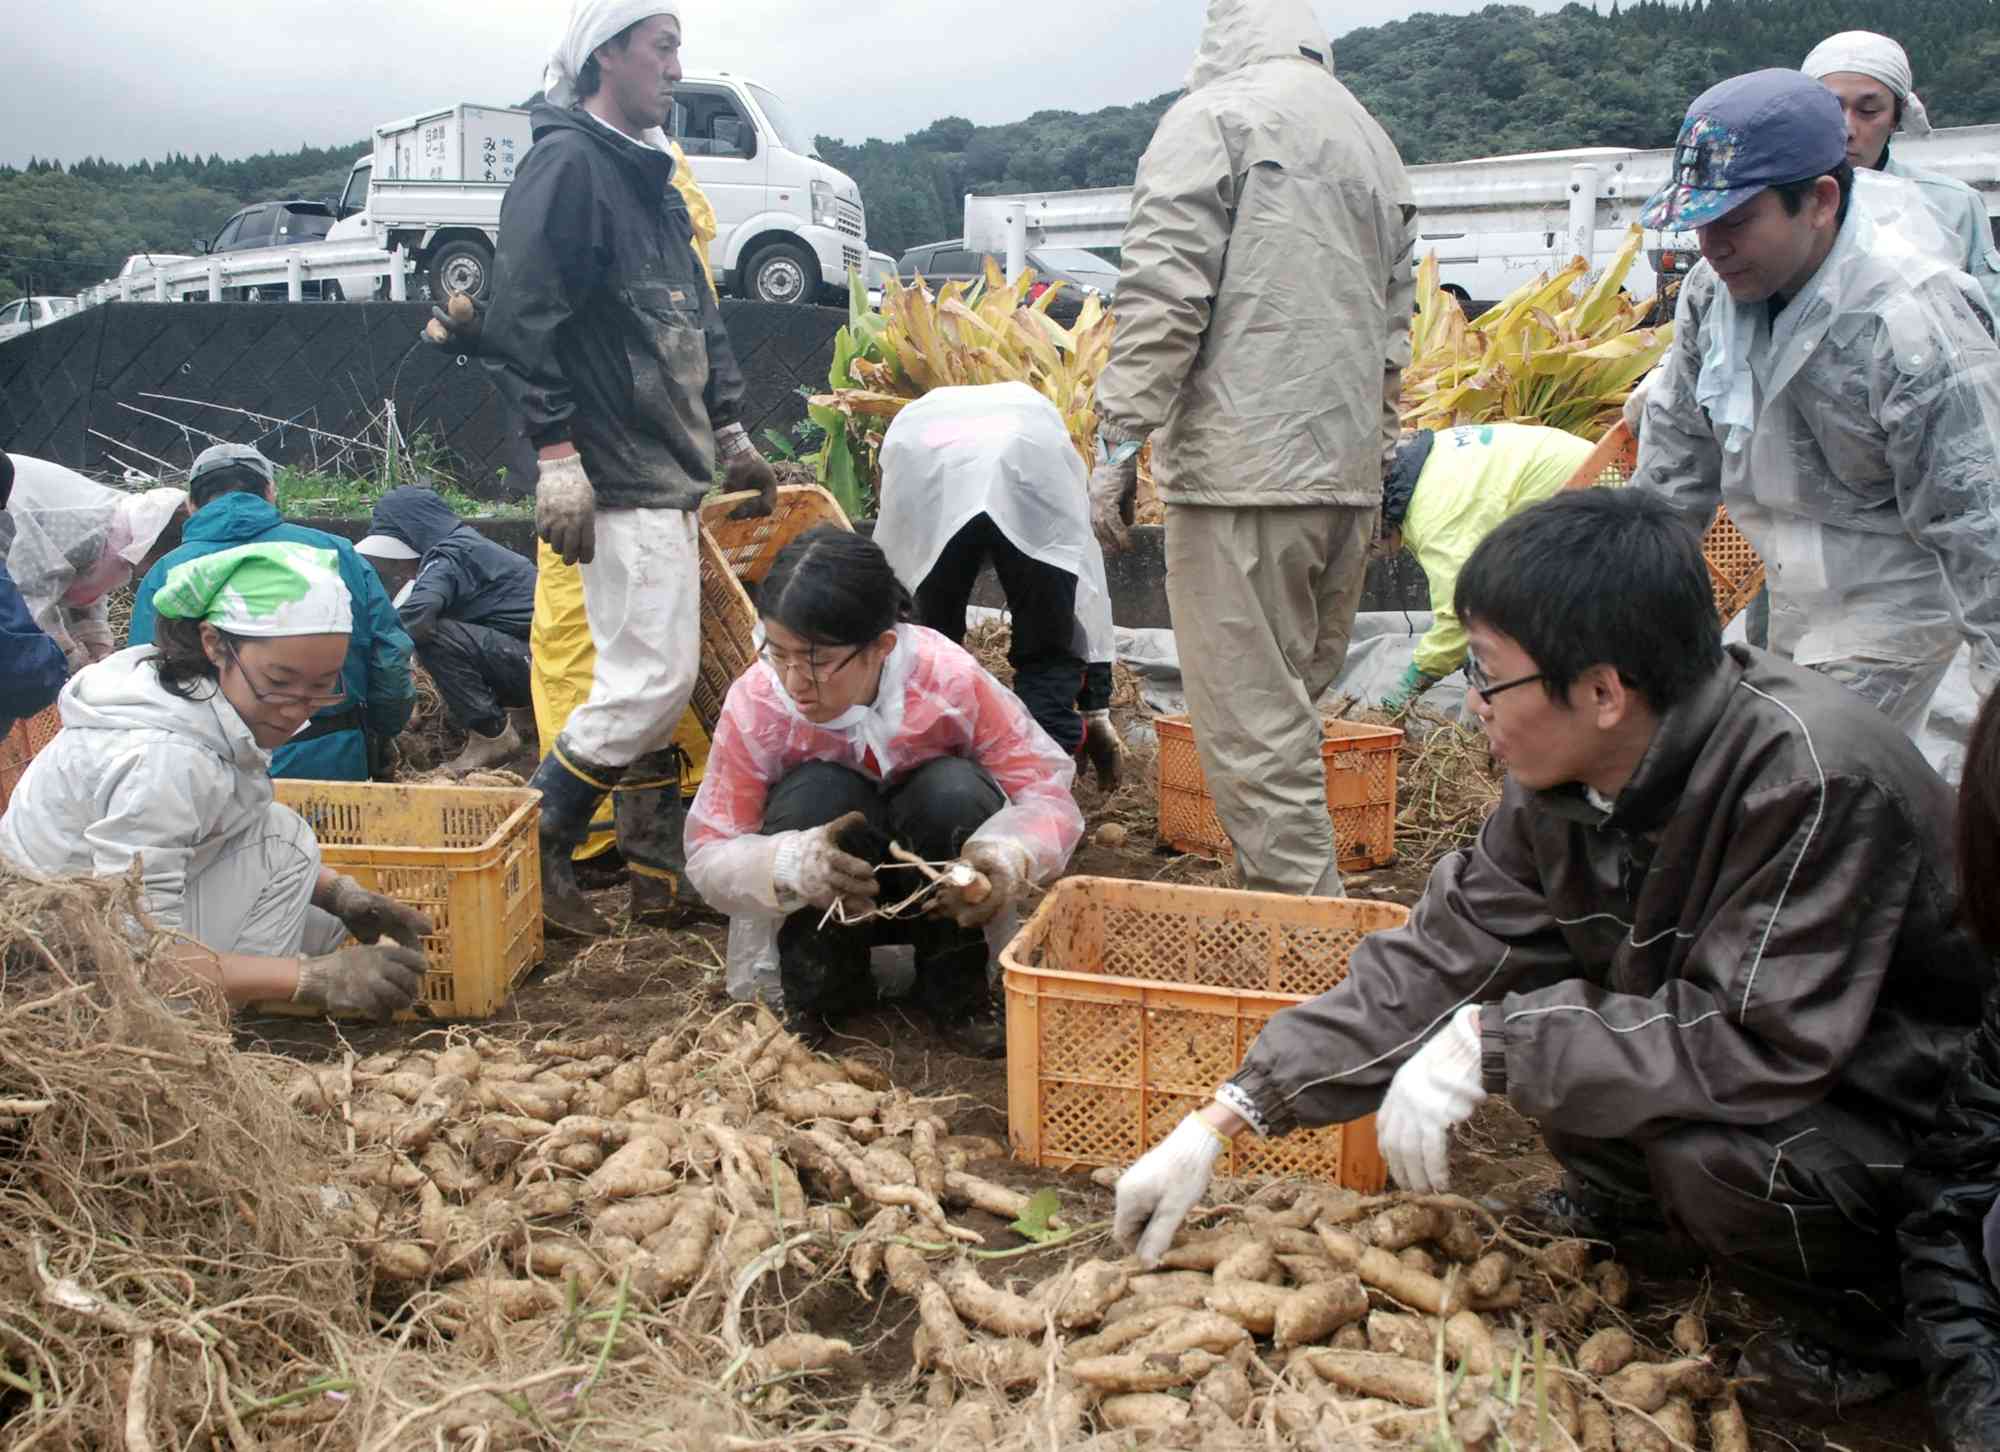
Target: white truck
[{"x": 790, "y": 226}]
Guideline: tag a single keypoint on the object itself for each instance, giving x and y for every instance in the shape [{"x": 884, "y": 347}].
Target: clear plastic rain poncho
[
  {"x": 1856, "y": 442},
  {"x": 999, "y": 450},
  {"x": 75, "y": 543},
  {"x": 934, "y": 700}
]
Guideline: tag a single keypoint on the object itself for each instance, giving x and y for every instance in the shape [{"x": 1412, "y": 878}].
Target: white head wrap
[
  {"x": 591, "y": 24},
  {"x": 1876, "y": 56}
]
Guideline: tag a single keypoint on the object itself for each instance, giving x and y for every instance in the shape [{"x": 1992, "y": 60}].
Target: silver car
[{"x": 30, "y": 313}]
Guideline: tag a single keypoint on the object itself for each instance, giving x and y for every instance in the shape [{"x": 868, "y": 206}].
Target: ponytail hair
[
  {"x": 833, "y": 587},
  {"x": 182, "y": 664}
]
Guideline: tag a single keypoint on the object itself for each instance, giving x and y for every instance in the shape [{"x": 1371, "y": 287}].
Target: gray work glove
[
  {"x": 566, "y": 509},
  {"x": 747, "y": 469},
  {"x": 1114, "y": 491},
  {"x": 458, "y": 324},
  {"x": 995, "y": 874},
  {"x": 371, "y": 917},
  {"x": 361, "y": 981},
  {"x": 814, "y": 866}
]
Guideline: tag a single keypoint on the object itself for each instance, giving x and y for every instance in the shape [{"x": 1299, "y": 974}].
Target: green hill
[{"x": 1446, "y": 87}]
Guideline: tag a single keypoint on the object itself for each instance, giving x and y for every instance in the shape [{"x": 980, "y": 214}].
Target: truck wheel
[
  {"x": 785, "y": 273},
  {"x": 461, "y": 266}
]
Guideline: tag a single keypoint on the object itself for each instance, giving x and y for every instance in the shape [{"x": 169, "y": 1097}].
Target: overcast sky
[{"x": 126, "y": 79}]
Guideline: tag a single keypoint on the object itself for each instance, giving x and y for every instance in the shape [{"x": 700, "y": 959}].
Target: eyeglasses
[
  {"x": 282, "y": 698},
  {"x": 813, "y": 667},
  {"x": 1482, "y": 683}
]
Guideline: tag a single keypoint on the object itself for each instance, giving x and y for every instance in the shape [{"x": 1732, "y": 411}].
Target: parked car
[
  {"x": 31, "y": 313},
  {"x": 270, "y": 224},
  {"x": 1084, "y": 272}
]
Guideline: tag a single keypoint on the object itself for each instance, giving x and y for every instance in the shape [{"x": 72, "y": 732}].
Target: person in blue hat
[{"x": 1835, "y": 382}]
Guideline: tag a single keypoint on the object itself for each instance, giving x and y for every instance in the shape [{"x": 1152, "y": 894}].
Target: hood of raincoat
[
  {"x": 123, "y": 693},
  {"x": 414, "y": 515},
  {"x": 1244, "y": 33}
]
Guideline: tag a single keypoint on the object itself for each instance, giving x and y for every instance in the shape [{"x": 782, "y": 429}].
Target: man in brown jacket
[
  {"x": 1707, "y": 939},
  {"x": 1264, "y": 308}
]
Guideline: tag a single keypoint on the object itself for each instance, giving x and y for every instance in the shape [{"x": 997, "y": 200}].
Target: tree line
[{"x": 1446, "y": 87}]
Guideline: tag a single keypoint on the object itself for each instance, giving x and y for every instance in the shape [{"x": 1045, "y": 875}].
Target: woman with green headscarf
[{"x": 164, "y": 760}]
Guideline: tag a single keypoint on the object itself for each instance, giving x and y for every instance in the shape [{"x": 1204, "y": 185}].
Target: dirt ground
[{"x": 651, "y": 981}]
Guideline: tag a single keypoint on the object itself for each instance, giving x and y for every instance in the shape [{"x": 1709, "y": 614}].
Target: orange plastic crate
[
  {"x": 736, "y": 553},
  {"x": 1735, "y": 569},
  {"x": 1129, "y": 1002},
  {"x": 19, "y": 746},
  {"x": 469, "y": 857},
  {"x": 1360, "y": 792}
]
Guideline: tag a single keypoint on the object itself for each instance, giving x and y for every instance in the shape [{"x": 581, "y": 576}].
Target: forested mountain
[{"x": 1446, "y": 87}]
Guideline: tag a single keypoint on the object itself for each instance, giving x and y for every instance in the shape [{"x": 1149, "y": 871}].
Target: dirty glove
[
  {"x": 458, "y": 324},
  {"x": 1405, "y": 692},
  {"x": 814, "y": 866},
  {"x": 1103, "y": 748},
  {"x": 361, "y": 982},
  {"x": 1114, "y": 491},
  {"x": 566, "y": 509},
  {"x": 1155, "y": 1195},
  {"x": 747, "y": 470},
  {"x": 1000, "y": 874},
  {"x": 1437, "y": 1088},
  {"x": 371, "y": 917}
]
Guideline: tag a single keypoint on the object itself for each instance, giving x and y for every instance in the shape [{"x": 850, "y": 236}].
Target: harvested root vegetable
[
  {"x": 1194, "y": 1331},
  {"x": 1202, "y": 1252},
  {"x": 1678, "y": 1421},
  {"x": 546, "y": 1201},
  {"x": 961, "y": 1188},
  {"x": 1418, "y": 1259},
  {"x": 1637, "y": 1432},
  {"x": 988, "y": 1306},
  {"x": 1380, "y": 1269},
  {"x": 1179, "y": 1299},
  {"x": 401, "y": 1260},
  {"x": 824, "y": 1101},
  {"x": 653, "y": 1149},
  {"x": 924, "y": 1157},
  {"x": 1468, "y": 1341},
  {"x": 1402, "y": 1226},
  {"x": 1252, "y": 1305},
  {"x": 635, "y": 1219},
  {"x": 867, "y": 1075},
  {"x": 1118, "y": 1335},
  {"x": 1311, "y": 1270},
  {"x": 1082, "y": 1294},
  {"x": 530, "y": 1101},
  {"x": 1223, "y": 1395},
  {"x": 1600, "y": 1433},
  {"x": 1613, "y": 1283},
  {"x": 1727, "y": 1430},
  {"x": 406, "y": 1132},
  {"x": 461, "y": 1060},
  {"x": 1647, "y": 1386},
  {"x": 1195, "y": 1284},
  {"x": 1489, "y": 1275},
  {"x": 1394, "y": 1333},
  {"x": 1002, "y": 1365},
  {"x": 1690, "y": 1335},
  {"x": 872, "y": 1187},
  {"x": 1253, "y": 1260},
  {"x": 1566, "y": 1258},
  {"x": 1141, "y": 1411},
  {"x": 1136, "y": 1371},
  {"x": 502, "y": 1296},
  {"x": 1389, "y": 1378},
  {"x": 1350, "y": 1338},
  {"x": 864, "y": 1257},
  {"x": 798, "y": 1352},
  {"x": 1606, "y": 1351},
  {"x": 449, "y": 1171},
  {"x": 684, "y": 1254}
]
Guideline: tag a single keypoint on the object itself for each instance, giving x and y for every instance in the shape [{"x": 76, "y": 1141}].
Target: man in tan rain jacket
[{"x": 1263, "y": 324}]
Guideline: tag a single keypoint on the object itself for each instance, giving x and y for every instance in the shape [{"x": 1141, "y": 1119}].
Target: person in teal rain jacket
[{"x": 233, "y": 490}]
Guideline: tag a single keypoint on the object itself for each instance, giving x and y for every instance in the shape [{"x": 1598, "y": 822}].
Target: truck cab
[{"x": 789, "y": 226}]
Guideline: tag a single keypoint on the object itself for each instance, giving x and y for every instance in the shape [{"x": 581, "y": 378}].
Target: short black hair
[
  {"x": 590, "y": 76},
  {"x": 6, "y": 478},
  {"x": 1794, "y": 194},
  {"x": 229, "y": 479},
  {"x": 835, "y": 587},
  {"x": 1599, "y": 577}
]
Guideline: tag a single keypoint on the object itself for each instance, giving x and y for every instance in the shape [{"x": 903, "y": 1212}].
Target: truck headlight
[{"x": 825, "y": 211}]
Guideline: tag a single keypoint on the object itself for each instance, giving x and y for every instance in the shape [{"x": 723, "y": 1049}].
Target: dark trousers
[
  {"x": 1049, "y": 676},
  {"x": 479, "y": 671},
  {"x": 931, "y": 812},
  {"x": 1802, "y": 1212}
]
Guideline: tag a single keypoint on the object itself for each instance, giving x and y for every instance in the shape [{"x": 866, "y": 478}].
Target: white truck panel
[{"x": 464, "y": 143}]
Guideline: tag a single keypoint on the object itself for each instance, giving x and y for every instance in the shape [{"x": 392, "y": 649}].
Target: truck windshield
[
  {"x": 790, "y": 135},
  {"x": 355, "y": 198}
]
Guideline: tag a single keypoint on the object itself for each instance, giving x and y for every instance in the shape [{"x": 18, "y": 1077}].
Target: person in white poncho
[{"x": 988, "y": 475}]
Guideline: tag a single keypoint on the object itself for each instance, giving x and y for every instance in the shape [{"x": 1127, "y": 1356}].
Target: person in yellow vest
[
  {"x": 1447, "y": 491},
  {"x": 642, "y": 814}
]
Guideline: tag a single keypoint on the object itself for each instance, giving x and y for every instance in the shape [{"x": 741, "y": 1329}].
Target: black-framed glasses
[
  {"x": 317, "y": 701},
  {"x": 1486, "y": 686},
  {"x": 812, "y": 665}
]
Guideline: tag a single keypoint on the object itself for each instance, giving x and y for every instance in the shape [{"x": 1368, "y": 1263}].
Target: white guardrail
[{"x": 347, "y": 263}]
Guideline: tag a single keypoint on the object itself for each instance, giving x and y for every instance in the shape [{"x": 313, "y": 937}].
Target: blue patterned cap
[{"x": 1743, "y": 136}]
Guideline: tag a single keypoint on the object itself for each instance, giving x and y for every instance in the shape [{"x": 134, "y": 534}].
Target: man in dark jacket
[
  {"x": 468, "y": 606},
  {"x": 234, "y": 492},
  {"x": 1708, "y": 939},
  {"x": 32, "y": 668},
  {"x": 608, "y": 344}
]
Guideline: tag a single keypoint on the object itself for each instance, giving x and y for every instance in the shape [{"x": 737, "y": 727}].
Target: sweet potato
[
  {"x": 1002, "y": 1365},
  {"x": 1253, "y": 1305},
  {"x": 500, "y": 1139},
  {"x": 939, "y": 1322},
  {"x": 546, "y": 1200},
  {"x": 1690, "y": 1334},
  {"x": 1612, "y": 1282},
  {"x": 908, "y": 1273},
  {"x": 826, "y": 1101},
  {"x": 1140, "y": 1305},
  {"x": 1468, "y": 1342},
  {"x": 1393, "y": 1333},
  {"x": 1207, "y": 1331},
  {"x": 1605, "y": 1352},
  {"x": 461, "y": 1060},
  {"x": 318, "y": 1091},
  {"x": 635, "y": 1219},
  {"x": 1311, "y": 1270},
  {"x": 747, "y": 1238},
  {"x": 1203, "y": 1252},
  {"x": 1600, "y": 1434},
  {"x": 1380, "y": 1268},
  {"x": 375, "y": 1065},
  {"x": 1489, "y": 1275},
  {"x": 1391, "y": 1378},
  {"x": 1461, "y": 1241},
  {"x": 1678, "y": 1421},
  {"x": 1118, "y": 1335},
  {"x": 1081, "y": 1295},
  {"x": 449, "y": 1171},
  {"x": 872, "y": 1187},
  {"x": 990, "y": 1307},
  {"x": 580, "y": 1159},
  {"x": 1352, "y": 1337},
  {"x": 1251, "y": 1260},
  {"x": 1418, "y": 1259},
  {"x": 1313, "y": 1313},
  {"x": 654, "y": 1148},
  {"x": 609, "y": 1045},
  {"x": 864, "y": 1073},
  {"x": 1647, "y": 1386},
  {"x": 1196, "y": 1284},
  {"x": 446, "y": 1094},
  {"x": 1401, "y": 1226},
  {"x": 924, "y": 1156},
  {"x": 1142, "y": 1410},
  {"x": 961, "y": 1188},
  {"x": 561, "y": 1258},
  {"x": 971, "y": 1147},
  {"x": 683, "y": 1256},
  {"x": 864, "y": 1257},
  {"x": 1636, "y": 1432},
  {"x": 401, "y": 1260},
  {"x": 502, "y": 1296},
  {"x": 1222, "y": 1396},
  {"x": 527, "y": 1100},
  {"x": 798, "y": 1352},
  {"x": 1566, "y": 1258},
  {"x": 1135, "y": 1371},
  {"x": 1727, "y": 1430}
]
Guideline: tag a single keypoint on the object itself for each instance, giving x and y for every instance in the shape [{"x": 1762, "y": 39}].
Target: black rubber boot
[
  {"x": 1791, "y": 1373},
  {"x": 651, "y": 815},
  {"x": 570, "y": 794}
]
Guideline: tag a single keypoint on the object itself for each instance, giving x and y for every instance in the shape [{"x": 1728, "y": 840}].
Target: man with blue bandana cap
[{"x": 1835, "y": 382}]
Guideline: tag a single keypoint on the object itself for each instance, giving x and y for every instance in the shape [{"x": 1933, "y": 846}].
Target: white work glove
[
  {"x": 747, "y": 469},
  {"x": 814, "y": 866},
  {"x": 371, "y": 917},
  {"x": 995, "y": 873},
  {"x": 1114, "y": 492},
  {"x": 361, "y": 982},
  {"x": 1155, "y": 1195},
  {"x": 566, "y": 509},
  {"x": 1439, "y": 1087}
]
